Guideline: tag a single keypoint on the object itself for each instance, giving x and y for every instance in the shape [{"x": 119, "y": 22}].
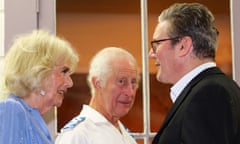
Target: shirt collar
[
  {"x": 178, "y": 87},
  {"x": 92, "y": 114}
]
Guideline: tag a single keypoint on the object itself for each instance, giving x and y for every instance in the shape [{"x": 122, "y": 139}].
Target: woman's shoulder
[{"x": 10, "y": 106}]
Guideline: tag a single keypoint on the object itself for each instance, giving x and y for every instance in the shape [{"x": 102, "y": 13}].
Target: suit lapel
[{"x": 184, "y": 94}]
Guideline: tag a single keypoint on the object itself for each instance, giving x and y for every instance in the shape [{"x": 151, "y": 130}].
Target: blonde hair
[{"x": 31, "y": 59}]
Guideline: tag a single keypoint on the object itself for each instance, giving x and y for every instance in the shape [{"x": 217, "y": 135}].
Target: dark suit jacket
[{"x": 206, "y": 112}]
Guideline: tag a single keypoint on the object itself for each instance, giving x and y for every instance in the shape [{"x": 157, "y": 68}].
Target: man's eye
[
  {"x": 121, "y": 81},
  {"x": 134, "y": 81}
]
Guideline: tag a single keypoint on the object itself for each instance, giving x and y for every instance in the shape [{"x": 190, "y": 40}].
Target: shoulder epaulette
[{"x": 71, "y": 124}]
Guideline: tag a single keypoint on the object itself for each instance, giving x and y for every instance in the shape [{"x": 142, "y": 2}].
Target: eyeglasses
[{"x": 155, "y": 43}]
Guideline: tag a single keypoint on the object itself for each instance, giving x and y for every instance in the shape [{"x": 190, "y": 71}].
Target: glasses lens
[{"x": 156, "y": 42}]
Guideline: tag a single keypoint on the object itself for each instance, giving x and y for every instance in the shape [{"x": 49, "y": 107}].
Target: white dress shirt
[{"x": 177, "y": 88}]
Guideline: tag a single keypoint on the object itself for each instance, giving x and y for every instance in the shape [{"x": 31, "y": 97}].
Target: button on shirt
[
  {"x": 93, "y": 128},
  {"x": 182, "y": 83},
  {"x": 21, "y": 124}
]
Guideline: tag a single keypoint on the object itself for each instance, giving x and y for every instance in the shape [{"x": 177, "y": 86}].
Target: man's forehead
[
  {"x": 161, "y": 28},
  {"x": 126, "y": 71}
]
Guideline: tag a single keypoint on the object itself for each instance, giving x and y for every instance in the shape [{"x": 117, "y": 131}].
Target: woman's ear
[{"x": 185, "y": 46}]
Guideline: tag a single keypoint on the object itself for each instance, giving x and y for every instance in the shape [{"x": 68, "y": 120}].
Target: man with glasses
[{"x": 206, "y": 103}]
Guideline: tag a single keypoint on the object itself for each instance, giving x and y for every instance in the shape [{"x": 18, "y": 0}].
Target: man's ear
[
  {"x": 96, "y": 82},
  {"x": 185, "y": 46}
]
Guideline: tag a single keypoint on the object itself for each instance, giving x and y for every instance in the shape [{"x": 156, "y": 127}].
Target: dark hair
[{"x": 196, "y": 21}]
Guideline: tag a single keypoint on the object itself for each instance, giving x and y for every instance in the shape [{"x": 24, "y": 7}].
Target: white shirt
[
  {"x": 93, "y": 128},
  {"x": 177, "y": 88}
]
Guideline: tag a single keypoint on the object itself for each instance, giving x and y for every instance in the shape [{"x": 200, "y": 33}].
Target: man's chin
[{"x": 158, "y": 77}]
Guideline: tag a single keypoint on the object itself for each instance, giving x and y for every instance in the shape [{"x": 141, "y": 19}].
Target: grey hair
[
  {"x": 101, "y": 64},
  {"x": 196, "y": 21}
]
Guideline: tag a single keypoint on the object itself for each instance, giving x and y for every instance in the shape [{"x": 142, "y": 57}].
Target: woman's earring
[{"x": 42, "y": 92}]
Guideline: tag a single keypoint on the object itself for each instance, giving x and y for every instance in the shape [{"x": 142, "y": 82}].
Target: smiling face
[
  {"x": 165, "y": 56},
  {"x": 56, "y": 86},
  {"x": 117, "y": 97}
]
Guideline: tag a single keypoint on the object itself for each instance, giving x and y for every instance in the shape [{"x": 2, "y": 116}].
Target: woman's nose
[{"x": 69, "y": 82}]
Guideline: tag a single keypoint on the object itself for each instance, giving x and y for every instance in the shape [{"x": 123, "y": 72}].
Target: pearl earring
[{"x": 42, "y": 92}]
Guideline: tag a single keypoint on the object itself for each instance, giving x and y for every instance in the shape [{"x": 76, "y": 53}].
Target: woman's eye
[{"x": 65, "y": 70}]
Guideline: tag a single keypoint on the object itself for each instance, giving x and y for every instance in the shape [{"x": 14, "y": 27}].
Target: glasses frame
[{"x": 155, "y": 43}]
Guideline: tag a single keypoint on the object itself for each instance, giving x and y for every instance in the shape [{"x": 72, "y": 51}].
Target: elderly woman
[{"x": 37, "y": 75}]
